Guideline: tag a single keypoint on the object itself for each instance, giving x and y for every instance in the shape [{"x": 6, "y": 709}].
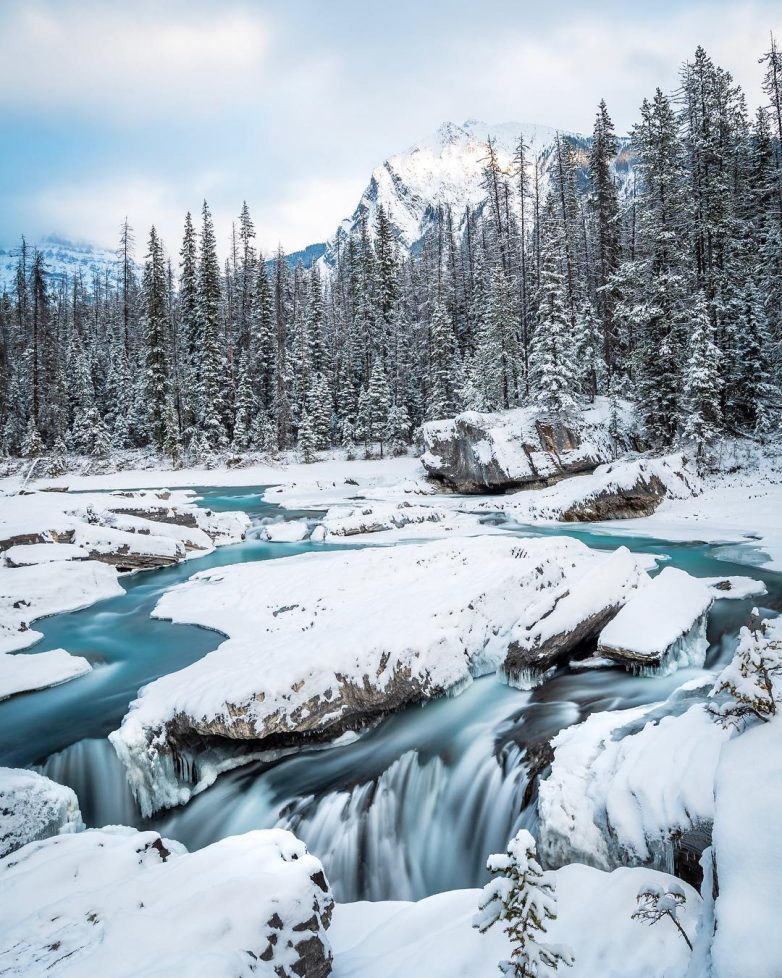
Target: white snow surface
[
  {"x": 622, "y": 781},
  {"x": 25, "y": 672},
  {"x": 32, "y": 807},
  {"x": 41, "y": 553},
  {"x": 748, "y": 801},
  {"x": 658, "y": 616},
  {"x": 124, "y": 904},
  {"x": 289, "y": 531},
  {"x": 434, "y": 938},
  {"x": 435, "y": 613}
]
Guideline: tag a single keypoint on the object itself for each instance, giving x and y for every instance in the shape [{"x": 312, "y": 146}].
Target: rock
[
  {"x": 572, "y": 617},
  {"x": 120, "y": 903},
  {"x": 509, "y": 450},
  {"x": 641, "y": 499},
  {"x": 32, "y": 807},
  {"x": 663, "y": 626}
]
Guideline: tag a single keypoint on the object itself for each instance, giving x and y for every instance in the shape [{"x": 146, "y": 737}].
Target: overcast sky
[{"x": 144, "y": 108}]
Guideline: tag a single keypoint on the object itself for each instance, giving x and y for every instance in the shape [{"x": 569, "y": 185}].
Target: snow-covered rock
[
  {"x": 570, "y": 614},
  {"x": 748, "y": 802},
  {"x": 288, "y": 531},
  {"x": 42, "y": 553},
  {"x": 509, "y": 449},
  {"x": 120, "y": 904},
  {"x": 32, "y": 807},
  {"x": 325, "y": 642},
  {"x": 348, "y": 521},
  {"x": 734, "y": 587},
  {"x": 434, "y": 938},
  {"x": 633, "y": 787},
  {"x": 625, "y": 489},
  {"x": 663, "y": 626}
]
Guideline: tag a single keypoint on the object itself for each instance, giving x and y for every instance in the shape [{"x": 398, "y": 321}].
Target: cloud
[{"x": 148, "y": 60}]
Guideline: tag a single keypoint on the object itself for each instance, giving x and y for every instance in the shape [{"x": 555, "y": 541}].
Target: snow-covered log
[
  {"x": 662, "y": 627},
  {"x": 120, "y": 903},
  {"x": 32, "y": 807}
]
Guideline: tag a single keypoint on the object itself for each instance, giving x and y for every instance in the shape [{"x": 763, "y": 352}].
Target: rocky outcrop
[
  {"x": 615, "y": 503},
  {"x": 509, "y": 450}
]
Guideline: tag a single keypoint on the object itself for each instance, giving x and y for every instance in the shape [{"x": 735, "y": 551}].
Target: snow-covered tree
[
  {"x": 750, "y": 686},
  {"x": 656, "y": 902},
  {"x": 398, "y": 429},
  {"x": 703, "y": 416},
  {"x": 522, "y": 898},
  {"x": 308, "y": 442},
  {"x": 32, "y": 445}
]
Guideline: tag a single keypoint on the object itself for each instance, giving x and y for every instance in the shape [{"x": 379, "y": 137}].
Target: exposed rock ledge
[
  {"x": 508, "y": 450},
  {"x": 32, "y": 807},
  {"x": 325, "y": 642}
]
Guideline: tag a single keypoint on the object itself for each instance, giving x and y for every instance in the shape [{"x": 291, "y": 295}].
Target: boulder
[{"x": 509, "y": 450}]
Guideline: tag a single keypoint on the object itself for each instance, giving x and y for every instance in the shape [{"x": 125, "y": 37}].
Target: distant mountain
[
  {"x": 61, "y": 257},
  {"x": 446, "y": 169}
]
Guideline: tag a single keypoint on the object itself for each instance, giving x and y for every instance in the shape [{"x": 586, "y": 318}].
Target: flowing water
[{"x": 411, "y": 807}]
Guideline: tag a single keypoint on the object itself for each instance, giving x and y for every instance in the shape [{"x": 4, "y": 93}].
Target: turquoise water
[{"x": 387, "y": 812}]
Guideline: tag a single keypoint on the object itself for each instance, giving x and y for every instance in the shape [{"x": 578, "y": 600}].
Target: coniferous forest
[{"x": 665, "y": 290}]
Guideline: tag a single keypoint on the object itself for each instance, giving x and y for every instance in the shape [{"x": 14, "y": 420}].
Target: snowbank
[
  {"x": 324, "y": 642},
  {"x": 748, "y": 938},
  {"x": 32, "y": 807},
  {"x": 662, "y": 626},
  {"x": 628, "y": 786},
  {"x": 120, "y": 903},
  {"x": 434, "y": 938},
  {"x": 23, "y": 673},
  {"x": 290, "y": 531}
]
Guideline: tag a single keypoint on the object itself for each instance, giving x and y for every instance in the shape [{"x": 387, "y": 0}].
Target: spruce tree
[
  {"x": 703, "y": 418},
  {"x": 156, "y": 340}
]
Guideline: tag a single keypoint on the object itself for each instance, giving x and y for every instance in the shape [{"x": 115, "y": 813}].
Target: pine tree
[
  {"x": 210, "y": 374},
  {"x": 443, "y": 396},
  {"x": 308, "y": 444},
  {"x": 397, "y": 432},
  {"x": 605, "y": 205},
  {"x": 156, "y": 337},
  {"x": 32, "y": 446},
  {"x": 703, "y": 418},
  {"x": 244, "y": 407},
  {"x": 553, "y": 345},
  {"x": 379, "y": 405},
  {"x": 522, "y": 898}
]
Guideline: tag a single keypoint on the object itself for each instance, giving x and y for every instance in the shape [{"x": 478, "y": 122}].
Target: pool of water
[{"x": 411, "y": 807}]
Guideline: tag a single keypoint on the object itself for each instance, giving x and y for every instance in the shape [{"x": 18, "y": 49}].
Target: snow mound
[
  {"x": 663, "y": 626},
  {"x": 23, "y": 673},
  {"x": 289, "y": 531},
  {"x": 32, "y": 807},
  {"x": 120, "y": 904},
  {"x": 42, "y": 553},
  {"x": 324, "y": 642}
]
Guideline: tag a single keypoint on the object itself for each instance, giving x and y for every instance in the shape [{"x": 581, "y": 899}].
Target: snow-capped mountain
[
  {"x": 446, "y": 169},
  {"x": 60, "y": 256}
]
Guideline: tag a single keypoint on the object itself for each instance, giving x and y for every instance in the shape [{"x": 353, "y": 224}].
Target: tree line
[{"x": 566, "y": 284}]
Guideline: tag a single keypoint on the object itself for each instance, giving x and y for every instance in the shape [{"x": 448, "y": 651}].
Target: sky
[{"x": 142, "y": 109}]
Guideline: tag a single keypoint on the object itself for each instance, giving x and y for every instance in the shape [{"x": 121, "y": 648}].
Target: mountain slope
[
  {"x": 61, "y": 258},
  {"x": 446, "y": 169}
]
